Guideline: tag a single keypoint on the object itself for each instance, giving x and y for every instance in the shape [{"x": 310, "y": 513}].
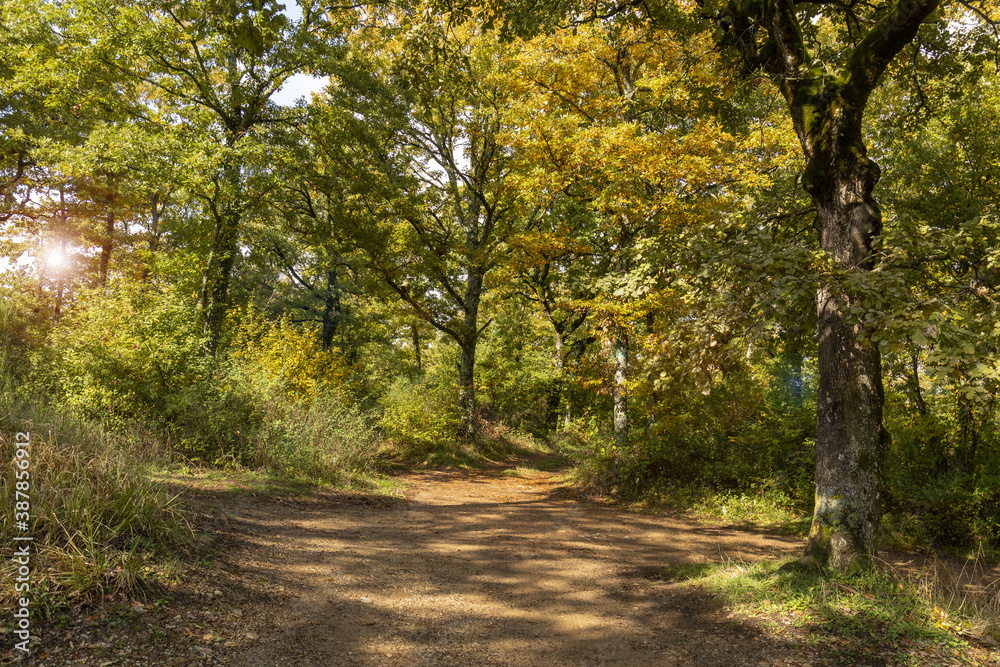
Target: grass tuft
[
  {"x": 99, "y": 524},
  {"x": 880, "y": 614}
]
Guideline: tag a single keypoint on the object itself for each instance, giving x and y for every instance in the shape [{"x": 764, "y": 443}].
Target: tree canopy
[{"x": 721, "y": 245}]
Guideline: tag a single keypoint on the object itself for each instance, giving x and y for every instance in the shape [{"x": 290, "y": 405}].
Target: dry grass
[
  {"x": 99, "y": 525},
  {"x": 963, "y": 598}
]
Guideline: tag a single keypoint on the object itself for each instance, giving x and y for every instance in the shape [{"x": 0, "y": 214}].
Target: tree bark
[
  {"x": 467, "y": 390},
  {"x": 467, "y": 362},
  {"x": 827, "y": 103},
  {"x": 331, "y": 310},
  {"x": 415, "y": 334},
  {"x": 914, "y": 381},
  {"x": 851, "y": 444},
  {"x": 221, "y": 259},
  {"x": 619, "y": 389},
  {"x": 215, "y": 285}
]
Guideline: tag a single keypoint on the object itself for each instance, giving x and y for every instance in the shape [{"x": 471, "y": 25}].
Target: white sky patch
[
  {"x": 56, "y": 259},
  {"x": 298, "y": 86}
]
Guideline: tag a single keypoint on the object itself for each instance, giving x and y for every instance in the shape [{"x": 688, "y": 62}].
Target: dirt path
[
  {"x": 480, "y": 568},
  {"x": 473, "y": 568}
]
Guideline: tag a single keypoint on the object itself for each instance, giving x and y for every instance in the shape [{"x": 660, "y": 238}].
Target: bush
[
  {"x": 419, "y": 417},
  {"x": 99, "y": 524},
  {"x": 134, "y": 353},
  {"x": 739, "y": 438},
  {"x": 276, "y": 399}
]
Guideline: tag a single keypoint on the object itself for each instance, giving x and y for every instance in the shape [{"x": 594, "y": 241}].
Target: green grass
[
  {"x": 768, "y": 510},
  {"x": 859, "y": 617},
  {"x": 100, "y": 526},
  {"x": 495, "y": 442},
  {"x": 537, "y": 466},
  {"x": 265, "y": 481}
]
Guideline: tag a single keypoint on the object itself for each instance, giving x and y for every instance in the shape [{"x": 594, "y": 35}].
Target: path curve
[{"x": 482, "y": 568}]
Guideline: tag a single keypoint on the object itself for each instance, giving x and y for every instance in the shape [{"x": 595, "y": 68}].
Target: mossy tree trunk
[{"x": 827, "y": 103}]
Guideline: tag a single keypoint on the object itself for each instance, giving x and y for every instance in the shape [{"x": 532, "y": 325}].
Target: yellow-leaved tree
[{"x": 611, "y": 116}]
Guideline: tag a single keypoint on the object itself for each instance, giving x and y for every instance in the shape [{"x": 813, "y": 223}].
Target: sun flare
[{"x": 56, "y": 259}]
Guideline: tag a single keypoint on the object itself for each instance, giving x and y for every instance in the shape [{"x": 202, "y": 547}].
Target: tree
[
  {"x": 213, "y": 65},
  {"x": 827, "y": 81},
  {"x": 419, "y": 132},
  {"x": 612, "y": 117}
]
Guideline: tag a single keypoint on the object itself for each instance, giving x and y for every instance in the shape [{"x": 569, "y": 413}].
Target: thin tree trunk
[
  {"x": 914, "y": 382},
  {"x": 968, "y": 436},
  {"x": 556, "y": 389},
  {"x": 415, "y": 334},
  {"x": 107, "y": 244},
  {"x": 154, "y": 222},
  {"x": 154, "y": 233},
  {"x": 619, "y": 390}
]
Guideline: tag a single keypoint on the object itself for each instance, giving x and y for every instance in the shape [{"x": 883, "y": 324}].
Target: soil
[{"x": 472, "y": 567}]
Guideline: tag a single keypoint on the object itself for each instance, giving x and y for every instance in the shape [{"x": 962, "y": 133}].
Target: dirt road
[
  {"x": 482, "y": 568},
  {"x": 472, "y": 568}
]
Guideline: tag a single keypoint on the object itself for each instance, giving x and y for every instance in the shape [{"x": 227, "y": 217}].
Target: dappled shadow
[{"x": 479, "y": 568}]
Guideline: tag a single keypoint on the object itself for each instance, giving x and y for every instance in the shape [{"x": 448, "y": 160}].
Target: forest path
[
  {"x": 478, "y": 567},
  {"x": 474, "y": 567}
]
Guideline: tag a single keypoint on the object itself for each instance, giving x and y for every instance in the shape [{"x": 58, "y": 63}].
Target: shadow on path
[{"x": 479, "y": 568}]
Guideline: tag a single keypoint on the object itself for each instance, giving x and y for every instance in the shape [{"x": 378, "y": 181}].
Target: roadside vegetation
[
  {"x": 926, "y": 613},
  {"x": 490, "y": 237}
]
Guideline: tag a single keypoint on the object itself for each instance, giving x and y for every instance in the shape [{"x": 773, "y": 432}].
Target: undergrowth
[
  {"x": 938, "y": 614},
  {"x": 99, "y": 525}
]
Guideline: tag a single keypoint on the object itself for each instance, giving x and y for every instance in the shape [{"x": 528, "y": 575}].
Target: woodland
[{"x": 743, "y": 255}]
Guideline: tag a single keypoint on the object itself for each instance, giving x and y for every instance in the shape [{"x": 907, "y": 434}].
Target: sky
[{"x": 298, "y": 86}]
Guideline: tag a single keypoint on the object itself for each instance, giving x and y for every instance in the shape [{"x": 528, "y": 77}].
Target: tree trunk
[
  {"x": 851, "y": 444},
  {"x": 228, "y": 216},
  {"x": 968, "y": 436},
  {"x": 331, "y": 310},
  {"x": 914, "y": 382},
  {"x": 415, "y": 334},
  {"x": 107, "y": 244},
  {"x": 215, "y": 285},
  {"x": 619, "y": 390},
  {"x": 555, "y": 392},
  {"x": 154, "y": 222},
  {"x": 467, "y": 363},
  {"x": 467, "y": 390},
  {"x": 221, "y": 260}
]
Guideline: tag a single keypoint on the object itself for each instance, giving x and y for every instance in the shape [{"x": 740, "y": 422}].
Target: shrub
[
  {"x": 98, "y": 523},
  {"x": 420, "y": 416},
  {"x": 133, "y": 353}
]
